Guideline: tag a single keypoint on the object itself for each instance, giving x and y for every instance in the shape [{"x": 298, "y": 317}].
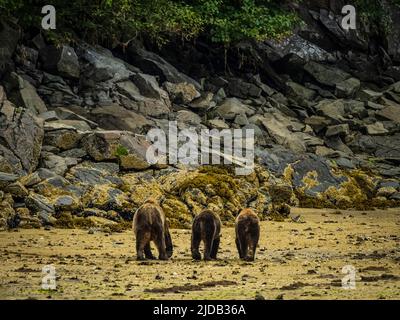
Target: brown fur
[
  {"x": 206, "y": 227},
  {"x": 247, "y": 228},
  {"x": 150, "y": 224}
]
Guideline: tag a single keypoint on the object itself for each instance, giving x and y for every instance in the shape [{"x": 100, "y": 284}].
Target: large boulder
[
  {"x": 99, "y": 65},
  {"x": 277, "y": 127},
  {"x": 242, "y": 89},
  {"x": 22, "y": 133},
  {"x": 115, "y": 117},
  {"x": 6, "y": 179},
  {"x": 315, "y": 175},
  {"x": 23, "y": 94},
  {"x": 331, "y": 109},
  {"x": 390, "y": 113},
  {"x": 326, "y": 75},
  {"x": 61, "y": 135},
  {"x": 296, "y": 45},
  {"x": 60, "y": 60},
  {"x": 298, "y": 91},
  {"x": 38, "y": 203},
  {"x": 144, "y": 96},
  {"x": 56, "y": 92},
  {"x": 231, "y": 107},
  {"x": 128, "y": 148},
  {"x": 181, "y": 92},
  {"x": 387, "y": 147},
  {"x": 153, "y": 64}
]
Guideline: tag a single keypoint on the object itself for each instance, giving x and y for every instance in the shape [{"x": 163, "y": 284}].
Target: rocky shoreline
[{"x": 73, "y": 121}]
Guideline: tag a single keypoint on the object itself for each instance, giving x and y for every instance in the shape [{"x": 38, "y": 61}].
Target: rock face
[
  {"x": 63, "y": 61},
  {"x": 24, "y": 94},
  {"x": 323, "y": 105},
  {"x": 22, "y": 134}
]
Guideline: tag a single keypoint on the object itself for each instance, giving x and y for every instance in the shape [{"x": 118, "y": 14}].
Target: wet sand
[{"x": 294, "y": 260}]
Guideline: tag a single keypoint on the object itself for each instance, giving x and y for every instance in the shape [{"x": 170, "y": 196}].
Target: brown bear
[
  {"x": 206, "y": 227},
  {"x": 150, "y": 224},
  {"x": 247, "y": 228}
]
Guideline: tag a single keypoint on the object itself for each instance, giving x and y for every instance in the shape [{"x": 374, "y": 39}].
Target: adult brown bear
[
  {"x": 150, "y": 224},
  {"x": 247, "y": 228},
  {"x": 206, "y": 227}
]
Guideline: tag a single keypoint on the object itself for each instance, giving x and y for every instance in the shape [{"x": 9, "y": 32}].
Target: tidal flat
[{"x": 299, "y": 258}]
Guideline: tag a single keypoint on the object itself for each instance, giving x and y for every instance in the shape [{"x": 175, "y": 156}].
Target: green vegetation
[
  {"x": 114, "y": 22},
  {"x": 375, "y": 15},
  {"x": 121, "y": 151}
]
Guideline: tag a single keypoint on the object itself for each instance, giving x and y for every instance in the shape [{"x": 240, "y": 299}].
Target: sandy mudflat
[{"x": 294, "y": 261}]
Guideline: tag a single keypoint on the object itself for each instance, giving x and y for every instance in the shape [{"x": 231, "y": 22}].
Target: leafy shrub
[{"x": 114, "y": 22}]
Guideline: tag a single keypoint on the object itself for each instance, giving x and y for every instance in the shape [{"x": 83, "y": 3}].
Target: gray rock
[
  {"x": 277, "y": 127},
  {"x": 102, "y": 145},
  {"x": 241, "y": 120},
  {"x": 381, "y": 146},
  {"x": 326, "y": 75},
  {"x": 22, "y": 133},
  {"x": 376, "y": 128},
  {"x": 151, "y": 63},
  {"x": 69, "y": 116},
  {"x": 187, "y": 118},
  {"x": 23, "y": 94},
  {"x": 337, "y": 144},
  {"x": 26, "y": 57},
  {"x": 297, "y": 90},
  {"x": 338, "y": 130},
  {"x": 149, "y": 87},
  {"x": 231, "y": 107},
  {"x": 347, "y": 88},
  {"x": 369, "y": 95},
  {"x": 374, "y": 106},
  {"x": 74, "y": 153},
  {"x": 325, "y": 176},
  {"x": 99, "y": 65},
  {"x": 218, "y": 124},
  {"x": 203, "y": 103},
  {"x": 46, "y": 217},
  {"x": 9, "y": 163},
  {"x": 57, "y": 164},
  {"x": 181, "y": 92},
  {"x": 355, "y": 108},
  {"x": 332, "y": 109},
  {"x": 86, "y": 175},
  {"x": 317, "y": 123},
  {"x": 241, "y": 89},
  {"x": 136, "y": 147},
  {"x": 391, "y": 113},
  {"x": 301, "y": 47},
  {"x": 65, "y": 203},
  {"x": 7, "y": 179},
  {"x": 60, "y": 60},
  {"x": 38, "y": 203},
  {"x": 17, "y": 190},
  {"x": 64, "y": 139},
  {"x": 115, "y": 117}
]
